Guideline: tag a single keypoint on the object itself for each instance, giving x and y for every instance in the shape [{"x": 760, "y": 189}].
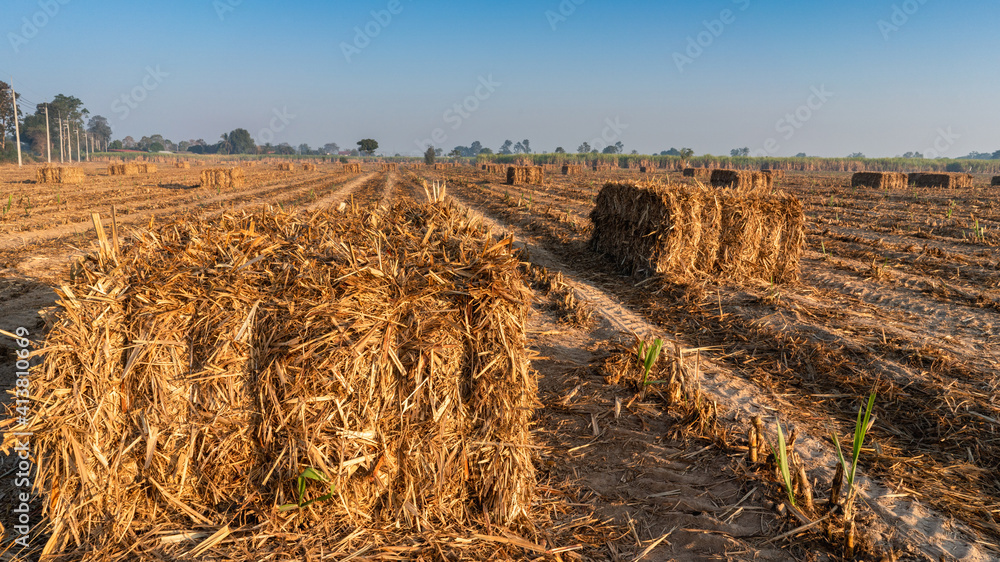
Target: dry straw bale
[
  {"x": 694, "y": 230},
  {"x": 389, "y": 167},
  {"x": 131, "y": 169},
  {"x": 353, "y": 168},
  {"x": 518, "y": 175},
  {"x": 223, "y": 177},
  {"x": 941, "y": 180},
  {"x": 309, "y": 167},
  {"x": 746, "y": 181},
  {"x": 996, "y": 181},
  {"x": 645, "y": 169},
  {"x": 184, "y": 165},
  {"x": 59, "y": 174},
  {"x": 286, "y": 166},
  {"x": 212, "y": 362},
  {"x": 879, "y": 180},
  {"x": 703, "y": 174},
  {"x": 495, "y": 168},
  {"x": 571, "y": 169}
]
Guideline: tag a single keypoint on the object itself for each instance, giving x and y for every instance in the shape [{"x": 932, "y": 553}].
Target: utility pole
[
  {"x": 17, "y": 128},
  {"x": 48, "y": 141},
  {"x": 59, "y": 121}
]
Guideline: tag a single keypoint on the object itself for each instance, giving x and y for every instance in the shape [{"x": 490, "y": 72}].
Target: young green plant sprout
[
  {"x": 861, "y": 427},
  {"x": 648, "y": 354},
  {"x": 10, "y": 203},
  {"x": 308, "y": 474},
  {"x": 781, "y": 457}
]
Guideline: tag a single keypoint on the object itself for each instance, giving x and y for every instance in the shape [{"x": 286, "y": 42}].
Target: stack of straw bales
[
  {"x": 571, "y": 169},
  {"x": 353, "y": 167},
  {"x": 645, "y": 169},
  {"x": 286, "y": 166},
  {"x": 745, "y": 181},
  {"x": 776, "y": 174},
  {"x": 59, "y": 174},
  {"x": 701, "y": 174},
  {"x": 601, "y": 167},
  {"x": 309, "y": 167},
  {"x": 389, "y": 167},
  {"x": 996, "y": 181},
  {"x": 223, "y": 177},
  {"x": 441, "y": 166},
  {"x": 131, "y": 169},
  {"x": 692, "y": 230},
  {"x": 495, "y": 168},
  {"x": 941, "y": 180},
  {"x": 518, "y": 175},
  {"x": 879, "y": 180},
  {"x": 212, "y": 364},
  {"x": 183, "y": 165}
]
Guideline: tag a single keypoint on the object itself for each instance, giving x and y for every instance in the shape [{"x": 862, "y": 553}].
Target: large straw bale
[
  {"x": 571, "y": 169},
  {"x": 308, "y": 167},
  {"x": 223, "y": 177},
  {"x": 690, "y": 230},
  {"x": 131, "y": 168},
  {"x": 996, "y": 181},
  {"x": 519, "y": 175},
  {"x": 389, "y": 167},
  {"x": 183, "y": 165},
  {"x": 879, "y": 180},
  {"x": 286, "y": 166},
  {"x": 192, "y": 377},
  {"x": 59, "y": 174},
  {"x": 944, "y": 180},
  {"x": 702, "y": 174},
  {"x": 745, "y": 181},
  {"x": 354, "y": 167}
]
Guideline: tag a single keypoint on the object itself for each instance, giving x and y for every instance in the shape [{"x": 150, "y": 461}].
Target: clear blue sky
[{"x": 558, "y": 72}]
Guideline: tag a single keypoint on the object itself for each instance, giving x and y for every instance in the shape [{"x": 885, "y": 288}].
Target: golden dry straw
[
  {"x": 192, "y": 377},
  {"x": 223, "y": 177},
  {"x": 571, "y": 169},
  {"x": 996, "y": 181},
  {"x": 941, "y": 180},
  {"x": 183, "y": 165},
  {"x": 353, "y": 168},
  {"x": 745, "y": 181},
  {"x": 695, "y": 231},
  {"x": 522, "y": 175},
  {"x": 59, "y": 174},
  {"x": 131, "y": 169},
  {"x": 879, "y": 180},
  {"x": 286, "y": 167},
  {"x": 645, "y": 169},
  {"x": 495, "y": 168},
  {"x": 309, "y": 167},
  {"x": 776, "y": 174},
  {"x": 703, "y": 174},
  {"x": 389, "y": 167}
]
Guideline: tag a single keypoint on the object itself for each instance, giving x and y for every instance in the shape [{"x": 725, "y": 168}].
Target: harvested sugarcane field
[{"x": 268, "y": 346}]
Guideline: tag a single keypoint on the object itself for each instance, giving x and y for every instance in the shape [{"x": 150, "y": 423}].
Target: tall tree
[
  {"x": 241, "y": 142},
  {"x": 331, "y": 148},
  {"x": 99, "y": 128},
  {"x": 527, "y": 146},
  {"x": 583, "y": 148},
  {"x": 505, "y": 147},
  {"x": 6, "y": 114},
  {"x": 304, "y": 149},
  {"x": 429, "y": 155},
  {"x": 475, "y": 148},
  {"x": 368, "y": 146},
  {"x": 519, "y": 148}
]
